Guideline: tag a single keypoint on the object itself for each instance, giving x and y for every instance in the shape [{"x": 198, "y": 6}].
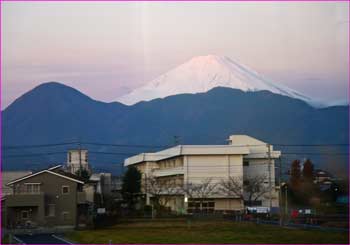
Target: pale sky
[{"x": 105, "y": 49}]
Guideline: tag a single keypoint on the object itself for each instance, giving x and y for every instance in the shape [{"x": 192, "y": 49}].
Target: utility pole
[
  {"x": 269, "y": 168},
  {"x": 146, "y": 190},
  {"x": 176, "y": 140},
  {"x": 286, "y": 201},
  {"x": 280, "y": 189},
  {"x": 80, "y": 167}
]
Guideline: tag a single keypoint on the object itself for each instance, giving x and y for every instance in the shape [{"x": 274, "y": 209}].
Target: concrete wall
[{"x": 216, "y": 167}]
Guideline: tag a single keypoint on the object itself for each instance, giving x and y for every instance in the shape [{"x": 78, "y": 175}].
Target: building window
[
  {"x": 206, "y": 206},
  {"x": 65, "y": 189},
  {"x": 51, "y": 210},
  {"x": 245, "y": 182},
  {"x": 65, "y": 216},
  {"x": 253, "y": 203},
  {"x": 245, "y": 163},
  {"x": 24, "y": 214},
  {"x": 32, "y": 188},
  {"x": 70, "y": 157}
]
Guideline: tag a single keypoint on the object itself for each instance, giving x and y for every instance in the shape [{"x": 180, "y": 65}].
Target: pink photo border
[{"x": 257, "y": 1}]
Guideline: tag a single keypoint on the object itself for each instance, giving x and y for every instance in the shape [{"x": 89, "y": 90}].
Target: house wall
[
  {"x": 51, "y": 186},
  {"x": 14, "y": 216}
]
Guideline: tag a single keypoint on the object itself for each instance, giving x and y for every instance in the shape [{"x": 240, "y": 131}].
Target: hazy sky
[{"x": 106, "y": 49}]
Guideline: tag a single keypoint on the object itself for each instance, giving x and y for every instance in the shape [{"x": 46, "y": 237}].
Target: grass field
[{"x": 181, "y": 231}]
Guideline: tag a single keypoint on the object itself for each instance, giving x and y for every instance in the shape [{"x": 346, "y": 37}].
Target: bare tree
[
  {"x": 161, "y": 191},
  {"x": 189, "y": 190},
  {"x": 232, "y": 187},
  {"x": 249, "y": 189},
  {"x": 204, "y": 190},
  {"x": 254, "y": 187}
]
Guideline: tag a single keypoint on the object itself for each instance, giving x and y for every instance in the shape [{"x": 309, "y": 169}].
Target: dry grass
[{"x": 182, "y": 231}]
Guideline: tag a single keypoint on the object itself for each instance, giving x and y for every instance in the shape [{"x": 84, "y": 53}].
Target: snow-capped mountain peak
[{"x": 203, "y": 73}]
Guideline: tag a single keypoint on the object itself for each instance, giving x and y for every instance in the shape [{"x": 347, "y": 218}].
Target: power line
[
  {"x": 310, "y": 145},
  {"x": 125, "y": 145},
  {"x": 37, "y": 146},
  {"x": 167, "y": 155},
  {"x": 33, "y": 155},
  {"x": 8, "y": 147},
  {"x": 314, "y": 153},
  {"x": 160, "y": 146}
]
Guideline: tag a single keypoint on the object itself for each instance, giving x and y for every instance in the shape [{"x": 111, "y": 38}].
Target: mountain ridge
[
  {"x": 44, "y": 117},
  {"x": 202, "y": 73}
]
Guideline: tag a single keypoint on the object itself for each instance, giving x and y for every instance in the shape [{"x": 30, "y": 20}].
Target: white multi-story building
[
  {"x": 77, "y": 159},
  {"x": 187, "y": 166}
]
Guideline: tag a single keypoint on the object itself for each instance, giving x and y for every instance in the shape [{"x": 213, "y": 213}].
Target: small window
[
  {"x": 24, "y": 214},
  {"x": 65, "y": 189},
  {"x": 32, "y": 188},
  {"x": 36, "y": 188},
  {"x": 245, "y": 163},
  {"x": 253, "y": 203},
  {"x": 70, "y": 157}
]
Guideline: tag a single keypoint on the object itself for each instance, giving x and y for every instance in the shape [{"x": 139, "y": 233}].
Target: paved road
[{"x": 40, "y": 239}]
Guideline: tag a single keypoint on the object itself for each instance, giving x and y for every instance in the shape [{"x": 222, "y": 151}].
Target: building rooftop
[
  {"x": 53, "y": 170},
  {"x": 238, "y": 145}
]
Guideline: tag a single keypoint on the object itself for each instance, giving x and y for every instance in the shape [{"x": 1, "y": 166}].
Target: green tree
[
  {"x": 131, "y": 186},
  {"x": 308, "y": 171},
  {"x": 295, "y": 175},
  {"x": 83, "y": 173}
]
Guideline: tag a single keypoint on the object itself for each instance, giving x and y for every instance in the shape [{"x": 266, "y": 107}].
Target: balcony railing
[
  {"x": 23, "y": 199},
  {"x": 168, "y": 171},
  {"x": 28, "y": 193}
]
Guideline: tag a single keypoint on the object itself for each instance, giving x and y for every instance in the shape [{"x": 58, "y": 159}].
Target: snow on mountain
[{"x": 203, "y": 73}]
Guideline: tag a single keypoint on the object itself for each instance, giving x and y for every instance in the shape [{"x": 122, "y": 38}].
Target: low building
[
  {"x": 116, "y": 184},
  {"x": 47, "y": 198},
  {"x": 104, "y": 182},
  {"x": 322, "y": 177},
  {"x": 192, "y": 165},
  {"x": 108, "y": 190}
]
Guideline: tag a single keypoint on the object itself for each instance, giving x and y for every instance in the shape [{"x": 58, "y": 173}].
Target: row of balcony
[{"x": 168, "y": 171}]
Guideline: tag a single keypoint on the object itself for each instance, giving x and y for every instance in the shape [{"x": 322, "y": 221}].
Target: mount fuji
[{"x": 202, "y": 73}]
